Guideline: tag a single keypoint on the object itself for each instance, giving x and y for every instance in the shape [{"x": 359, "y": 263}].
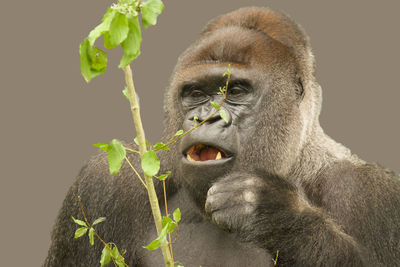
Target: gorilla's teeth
[
  {"x": 218, "y": 156},
  {"x": 190, "y": 158}
]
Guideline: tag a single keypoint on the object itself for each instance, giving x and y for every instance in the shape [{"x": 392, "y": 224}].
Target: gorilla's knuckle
[
  {"x": 210, "y": 203},
  {"x": 213, "y": 190},
  {"x": 218, "y": 218},
  {"x": 249, "y": 196},
  {"x": 252, "y": 181}
]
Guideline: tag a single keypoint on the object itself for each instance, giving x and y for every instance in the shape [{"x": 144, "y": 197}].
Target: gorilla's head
[{"x": 272, "y": 103}]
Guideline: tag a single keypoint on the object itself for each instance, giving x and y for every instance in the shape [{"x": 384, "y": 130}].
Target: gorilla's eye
[
  {"x": 193, "y": 95},
  {"x": 196, "y": 94},
  {"x": 237, "y": 93}
]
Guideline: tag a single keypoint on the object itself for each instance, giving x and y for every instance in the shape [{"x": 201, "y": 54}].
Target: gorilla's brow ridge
[{"x": 216, "y": 62}]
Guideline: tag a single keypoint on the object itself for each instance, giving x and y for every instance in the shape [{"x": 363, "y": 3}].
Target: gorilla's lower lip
[{"x": 202, "y": 152}]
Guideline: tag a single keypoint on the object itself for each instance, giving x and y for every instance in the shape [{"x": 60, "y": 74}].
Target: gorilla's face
[
  {"x": 264, "y": 127},
  {"x": 212, "y": 149}
]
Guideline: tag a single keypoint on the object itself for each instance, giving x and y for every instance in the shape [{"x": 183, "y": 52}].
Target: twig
[
  {"x": 167, "y": 214},
  {"x": 137, "y": 174},
  {"x": 131, "y": 150},
  {"x": 209, "y": 117},
  {"x": 276, "y": 259}
]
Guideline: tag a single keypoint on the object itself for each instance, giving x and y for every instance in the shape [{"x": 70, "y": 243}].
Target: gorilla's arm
[
  {"x": 346, "y": 230},
  {"x": 364, "y": 200},
  {"x": 120, "y": 198}
]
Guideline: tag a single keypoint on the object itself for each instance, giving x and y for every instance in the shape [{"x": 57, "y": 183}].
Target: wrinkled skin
[{"x": 267, "y": 180}]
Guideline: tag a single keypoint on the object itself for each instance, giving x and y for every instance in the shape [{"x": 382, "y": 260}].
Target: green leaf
[
  {"x": 117, "y": 32},
  {"x": 136, "y": 140},
  {"x": 126, "y": 93},
  {"x": 222, "y": 113},
  {"x": 156, "y": 243},
  {"x": 171, "y": 227},
  {"x": 116, "y": 255},
  {"x": 177, "y": 215},
  {"x": 93, "y": 62},
  {"x": 99, "y": 220},
  {"x": 168, "y": 224},
  {"x": 161, "y": 146},
  {"x": 102, "y": 27},
  {"x": 164, "y": 176},
  {"x": 215, "y": 105},
  {"x": 98, "y": 59},
  {"x": 80, "y": 232},
  {"x": 131, "y": 45},
  {"x": 116, "y": 154},
  {"x": 105, "y": 256},
  {"x": 150, "y": 10},
  {"x": 195, "y": 118},
  {"x": 166, "y": 220},
  {"x": 79, "y": 222},
  {"x": 91, "y": 236},
  {"x": 150, "y": 163},
  {"x": 103, "y": 146},
  {"x": 180, "y": 132}
]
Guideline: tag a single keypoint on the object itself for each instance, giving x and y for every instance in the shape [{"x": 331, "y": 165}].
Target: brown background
[{"x": 50, "y": 116}]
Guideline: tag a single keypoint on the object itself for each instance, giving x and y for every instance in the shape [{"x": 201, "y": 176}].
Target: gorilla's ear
[{"x": 299, "y": 88}]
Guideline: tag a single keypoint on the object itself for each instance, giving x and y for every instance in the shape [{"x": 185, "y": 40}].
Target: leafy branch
[
  {"x": 120, "y": 27},
  {"x": 110, "y": 250}
]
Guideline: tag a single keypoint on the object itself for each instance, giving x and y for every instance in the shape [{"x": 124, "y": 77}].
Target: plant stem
[
  {"x": 131, "y": 150},
  {"x": 135, "y": 171},
  {"x": 167, "y": 214},
  {"x": 142, "y": 149}
]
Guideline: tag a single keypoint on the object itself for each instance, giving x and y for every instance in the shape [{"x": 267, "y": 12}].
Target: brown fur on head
[{"x": 276, "y": 25}]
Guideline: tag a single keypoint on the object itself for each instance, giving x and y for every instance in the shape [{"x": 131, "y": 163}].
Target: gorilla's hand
[{"x": 255, "y": 206}]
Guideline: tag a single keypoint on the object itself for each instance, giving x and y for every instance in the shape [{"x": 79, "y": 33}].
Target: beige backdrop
[{"x": 50, "y": 116}]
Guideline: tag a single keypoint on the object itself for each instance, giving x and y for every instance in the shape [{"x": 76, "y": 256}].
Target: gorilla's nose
[{"x": 222, "y": 115}]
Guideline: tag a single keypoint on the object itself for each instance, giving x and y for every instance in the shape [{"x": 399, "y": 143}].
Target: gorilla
[{"x": 268, "y": 180}]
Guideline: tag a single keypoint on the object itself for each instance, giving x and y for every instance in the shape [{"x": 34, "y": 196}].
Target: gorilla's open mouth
[{"x": 202, "y": 152}]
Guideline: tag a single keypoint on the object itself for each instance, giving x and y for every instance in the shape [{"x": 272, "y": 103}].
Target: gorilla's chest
[{"x": 203, "y": 244}]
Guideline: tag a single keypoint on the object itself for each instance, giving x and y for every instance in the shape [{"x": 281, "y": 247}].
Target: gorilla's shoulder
[
  {"x": 364, "y": 181},
  {"x": 360, "y": 172},
  {"x": 94, "y": 180}
]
